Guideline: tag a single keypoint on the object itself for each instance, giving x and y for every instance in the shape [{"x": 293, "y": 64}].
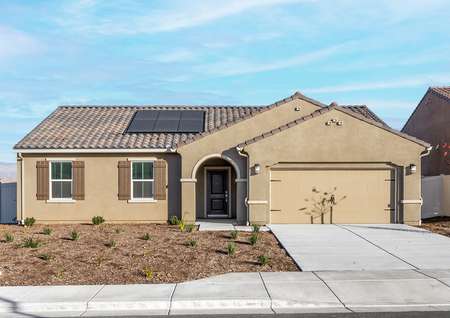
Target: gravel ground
[
  {"x": 118, "y": 254},
  {"x": 440, "y": 225}
]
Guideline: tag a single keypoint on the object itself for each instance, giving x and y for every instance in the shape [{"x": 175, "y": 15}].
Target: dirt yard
[
  {"x": 124, "y": 254},
  {"x": 440, "y": 225}
]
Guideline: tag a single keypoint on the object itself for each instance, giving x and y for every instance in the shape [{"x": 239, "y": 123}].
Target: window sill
[
  {"x": 142, "y": 201},
  {"x": 61, "y": 201}
]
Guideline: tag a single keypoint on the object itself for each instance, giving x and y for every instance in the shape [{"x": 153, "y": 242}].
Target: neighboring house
[
  {"x": 430, "y": 121},
  {"x": 249, "y": 164}
]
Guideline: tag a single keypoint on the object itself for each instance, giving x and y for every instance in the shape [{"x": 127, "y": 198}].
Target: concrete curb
[{"x": 268, "y": 293}]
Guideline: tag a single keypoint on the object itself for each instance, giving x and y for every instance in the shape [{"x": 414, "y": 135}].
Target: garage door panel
[{"x": 368, "y": 195}]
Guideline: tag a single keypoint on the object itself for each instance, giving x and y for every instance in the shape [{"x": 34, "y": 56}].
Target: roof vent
[{"x": 333, "y": 104}]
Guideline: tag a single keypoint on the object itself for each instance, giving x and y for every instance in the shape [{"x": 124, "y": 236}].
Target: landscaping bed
[
  {"x": 129, "y": 253},
  {"x": 440, "y": 225}
]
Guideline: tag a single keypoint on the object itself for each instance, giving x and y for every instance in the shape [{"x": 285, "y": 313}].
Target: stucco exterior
[
  {"x": 313, "y": 142},
  {"x": 310, "y": 143},
  {"x": 430, "y": 122}
]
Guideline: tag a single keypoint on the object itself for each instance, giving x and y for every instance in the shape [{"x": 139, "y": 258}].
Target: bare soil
[
  {"x": 118, "y": 254},
  {"x": 440, "y": 225}
]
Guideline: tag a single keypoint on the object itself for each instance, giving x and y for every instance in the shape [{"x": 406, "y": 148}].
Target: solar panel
[{"x": 173, "y": 121}]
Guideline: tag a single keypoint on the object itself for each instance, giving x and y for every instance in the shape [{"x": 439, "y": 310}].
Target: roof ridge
[{"x": 160, "y": 105}]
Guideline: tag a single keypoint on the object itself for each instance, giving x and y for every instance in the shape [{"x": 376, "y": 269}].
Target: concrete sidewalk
[{"x": 271, "y": 292}]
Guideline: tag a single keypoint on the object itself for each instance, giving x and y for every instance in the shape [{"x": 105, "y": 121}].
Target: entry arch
[{"x": 216, "y": 155}]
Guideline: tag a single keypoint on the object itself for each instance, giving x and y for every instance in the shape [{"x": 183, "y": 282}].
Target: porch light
[
  {"x": 257, "y": 168},
  {"x": 412, "y": 168}
]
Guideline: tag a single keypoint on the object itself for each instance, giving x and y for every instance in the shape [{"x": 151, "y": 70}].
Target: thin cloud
[
  {"x": 418, "y": 80},
  {"x": 233, "y": 67},
  {"x": 14, "y": 43},
  {"x": 144, "y": 20}
]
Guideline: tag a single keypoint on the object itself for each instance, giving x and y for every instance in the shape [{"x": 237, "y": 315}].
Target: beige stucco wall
[
  {"x": 224, "y": 142},
  {"x": 314, "y": 142},
  {"x": 101, "y": 187}
]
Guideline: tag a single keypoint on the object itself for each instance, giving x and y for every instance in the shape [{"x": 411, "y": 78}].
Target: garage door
[{"x": 368, "y": 195}]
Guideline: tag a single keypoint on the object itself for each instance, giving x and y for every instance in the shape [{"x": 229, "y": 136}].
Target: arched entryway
[{"x": 219, "y": 192}]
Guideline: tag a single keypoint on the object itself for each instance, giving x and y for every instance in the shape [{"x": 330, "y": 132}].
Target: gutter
[
  {"x": 426, "y": 152},
  {"x": 97, "y": 150},
  {"x": 22, "y": 189},
  {"x": 240, "y": 151}
]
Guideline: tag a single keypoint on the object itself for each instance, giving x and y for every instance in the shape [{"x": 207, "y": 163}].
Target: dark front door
[{"x": 217, "y": 193}]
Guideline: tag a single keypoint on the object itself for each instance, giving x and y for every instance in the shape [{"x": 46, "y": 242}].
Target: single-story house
[{"x": 250, "y": 164}]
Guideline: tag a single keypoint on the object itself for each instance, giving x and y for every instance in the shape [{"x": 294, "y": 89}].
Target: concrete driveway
[{"x": 316, "y": 247}]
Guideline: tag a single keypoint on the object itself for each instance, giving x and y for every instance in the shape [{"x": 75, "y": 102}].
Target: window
[
  {"x": 61, "y": 180},
  {"x": 142, "y": 180}
]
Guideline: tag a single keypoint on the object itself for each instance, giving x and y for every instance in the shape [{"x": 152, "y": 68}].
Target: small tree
[{"x": 322, "y": 203}]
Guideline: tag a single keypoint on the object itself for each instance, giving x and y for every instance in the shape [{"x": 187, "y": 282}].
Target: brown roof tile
[{"x": 103, "y": 127}]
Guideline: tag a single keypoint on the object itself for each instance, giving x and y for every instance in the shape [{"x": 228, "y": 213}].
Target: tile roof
[
  {"x": 103, "y": 127},
  {"x": 348, "y": 110},
  {"x": 443, "y": 91}
]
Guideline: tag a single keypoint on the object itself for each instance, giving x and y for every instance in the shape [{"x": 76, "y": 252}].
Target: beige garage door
[{"x": 368, "y": 195}]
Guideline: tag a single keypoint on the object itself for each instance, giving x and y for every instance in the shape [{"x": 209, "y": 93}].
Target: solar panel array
[{"x": 173, "y": 121}]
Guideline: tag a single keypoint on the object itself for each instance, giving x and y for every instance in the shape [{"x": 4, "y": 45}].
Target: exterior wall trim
[
  {"x": 193, "y": 180},
  {"x": 216, "y": 155},
  {"x": 417, "y": 201},
  {"x": 257, "y": 202},
  {"x": 45, "y": 151}
]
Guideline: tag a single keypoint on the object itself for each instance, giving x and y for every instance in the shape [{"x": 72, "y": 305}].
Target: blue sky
[{"x": 381, "y": 53}]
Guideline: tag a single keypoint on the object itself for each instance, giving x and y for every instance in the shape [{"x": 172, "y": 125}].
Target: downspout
[
  {"x": 242, "y": 153},
  {"x": 423, "y": 154},
  {"x": 22, "y": 189}
]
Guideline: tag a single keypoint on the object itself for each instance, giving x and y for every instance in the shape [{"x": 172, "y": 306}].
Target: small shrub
[
  {"x": 253, "y": 239},
  {"x": 117, "y": 231},
  {"x": 181, "y": 226},
  {"x": 191, "y": 243},
  {"x": 29, "y": 222},
  {"x": 148, "y": 273},
  {"x": 74, "y": 235},
  {"x": 189, "y": 228},
  {"x": 255, "y": 228},
  {"x": 174, "y": 220},
  {"x": 9, "y": 238},
  {"x": 263, "y": 260},
  {"x": 45, "y": 257},
  {"x": 97, "y": 220},
  {"x": 30, "y": 243},
  {"x": 234, "y": 234},
  {"x": 111, "y": 244},
  {"x": 47, "y": 231},
  {"x": 146, "y": 237},
  {"x": 231, "y": 248}
]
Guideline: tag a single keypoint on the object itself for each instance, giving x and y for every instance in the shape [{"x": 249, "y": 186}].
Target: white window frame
[
  {"x": 50, "y": 180},
  {"x": 139, "y": 200}
]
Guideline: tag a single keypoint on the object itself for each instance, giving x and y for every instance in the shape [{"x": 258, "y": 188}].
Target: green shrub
[
  {"x": 191, "y": 243},
  {"x": 97, "y": 220},
  {"x": 231, "y": 248},
  {"x": 9, "y": 237},
  {"x": 174, "y": 220},
  {"x": 47, "y": 231},
  {"x": 117, "y": 231},
  {"x": 111, "y": 244},
  {"x": 146, "y": 237},
  {"x": 263, "y": 260},
  {"x": 255, "y": 228},
  {"x": 30, "y": 243},
  {"x": 181, "y": 226},
  {"x": 74, "y": 235},
  {"x": 29, "y": 222},
  {"x": 190, "y": 228},
  {"x": 234, "y": 234},
  {"x": 148, "y": 273},
  {"x": 253, "y": 239},
  {"x": 45, "y": 257}
]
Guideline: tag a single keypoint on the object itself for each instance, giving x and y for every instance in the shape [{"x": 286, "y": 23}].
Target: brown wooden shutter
[
  {"x": 78, "y": 180},
  {"x": 160, "y": 180},
  {"x": 42, "y": 180},
  {"x": 124, "y": 180}
]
